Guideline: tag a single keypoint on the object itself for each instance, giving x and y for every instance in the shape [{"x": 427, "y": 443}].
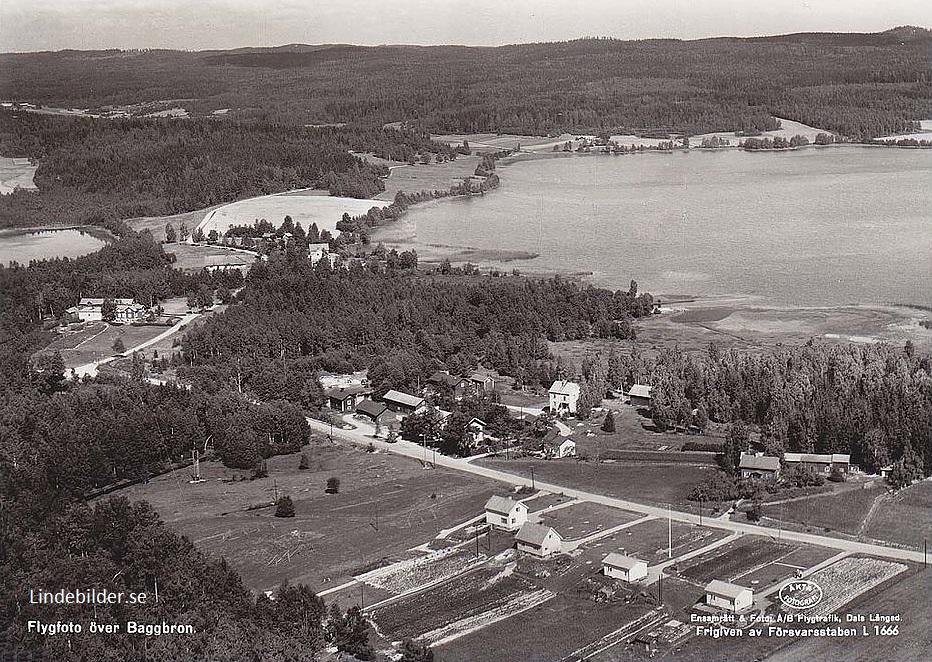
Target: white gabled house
[
  {"x": 505, "y": 513},
  {"x": 627, "y": 568},
  {"x": 727, "y": 596},
  {"x": 538, "y": 540},
  {"x": 564, "y": 396},
  {"x": 565, "y": 448}
]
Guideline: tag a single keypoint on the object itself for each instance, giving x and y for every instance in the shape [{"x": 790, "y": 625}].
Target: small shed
[
  {"x": 727, "y": 596},
  {"x": 640, "y": 395},
  {"x": 376, "y": 412},
  {"x": 505, "y": 513},
  {"x": 565, "y": 448},
  {"x": 627, "y": 568},
  {"x": 538, "y": 540}
]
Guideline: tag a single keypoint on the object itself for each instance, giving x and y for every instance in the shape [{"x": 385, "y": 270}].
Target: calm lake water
[
  {"x": 25, "y": 245},
  {"x": 811, "y": 227}
]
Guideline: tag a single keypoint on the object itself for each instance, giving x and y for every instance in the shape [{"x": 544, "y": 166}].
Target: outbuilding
[
  {"x": 403, "y": 403},
  {"x": 566, "y": 448},
  {"x": 376, "y": 412},
  {"x": 505, "y": 513},
  {"x": 727, "y": 596},
  {"x": 627, "y": 568},
  {"x": 538, "y": 540},
  {"x": 640, "y": 395},
  {"x": 758, "y": 466}
]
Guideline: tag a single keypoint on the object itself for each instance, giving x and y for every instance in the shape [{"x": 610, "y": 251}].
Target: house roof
[
  {"x": 621, "y": 561},
  {"x": 534, "y": 534},
  {"x": 759, "y": 462},
  {"x": 478, "y": 422},
  {"x": 640, "y": 391},
  {"x": 403, "y": 398},
  {"x": 564, "y": 387},
  {"x": 502, "y": 505},
  {"x": 725, "y": 589},
  {"x": 441, "y": 377},
  {"x": 479, "y": 377},
  {"x": 817, "y": 458},
  {"x": 343, "y": 392},
  {"x": 373, "y": 409},
  {"x": 97, "y": 301}
]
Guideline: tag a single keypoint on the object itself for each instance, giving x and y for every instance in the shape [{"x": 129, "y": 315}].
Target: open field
[
  {"x": 324, "y": 210},
  {"x": 584, "y": 519},
  {"x": 156, "y": 224},
  {"x": 492, "y": 142},
  {"x": 430, "y": 177},
  {"x": 16, "y": 173},
  {"x": 385, "y": 506},
  {"x": 658, "y": 484},
  {"x": 909, "y": 595},
  {"x": 190, "y": 257},
  {"x": 904, "y": 518},
  {"x": 95, "y": 342},
  {"x": 734, "y": 560},
  {"x": 649, "y": 540},
  {"x": 844, "y": 511}
]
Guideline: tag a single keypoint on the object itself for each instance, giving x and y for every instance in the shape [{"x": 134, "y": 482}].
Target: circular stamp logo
[{"x": 800, "y": 594}]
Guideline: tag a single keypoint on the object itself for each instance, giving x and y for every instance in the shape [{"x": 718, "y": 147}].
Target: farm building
[
  {"x": 376, "y": 412},
  {"x": 628, "y": 568},
  {"x": 758, "y": 466},
  {"x": 565, "y": 448},
  {"x": 822, "y": 464},
  {"x": 505, "y": 513},
  {"x": 728, "y": 597},
  {"x": 403, "y": 403},
  {"x": 441, "y": 380},
  {"x": 563, "y": 397},
  {"x": 538, "y": 540},
  {"x": 91, "y": 309},
  {"x": 640, "y": 396},
  {"x": 481, "y": 383},
  {"x": 345, "y": 398}
]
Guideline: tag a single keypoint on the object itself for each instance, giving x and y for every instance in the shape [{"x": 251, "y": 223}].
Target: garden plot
[
  {"x": 737, "y": 559},
  {"x": 650, "y": 540},
  {"x": 843, "y": 581},
  {"x": 460, "y": 605},
  {"x": 584, "y": 519},
  {"x": 420, "y": 571}
]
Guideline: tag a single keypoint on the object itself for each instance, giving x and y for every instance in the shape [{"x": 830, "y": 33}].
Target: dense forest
[
  {"x": 858, "y": 85},
  {"x": 872, "y": 401},
  {"x": 100, "y": 172},
  {"x": 293, "y": 319}
]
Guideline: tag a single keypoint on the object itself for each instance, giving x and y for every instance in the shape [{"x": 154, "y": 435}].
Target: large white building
[
  {"x": 90, "y": 309},
  {"x": 564, "y": 395}
]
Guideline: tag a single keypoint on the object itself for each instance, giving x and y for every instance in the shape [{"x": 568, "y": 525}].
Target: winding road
[{"x": 359, "y": 436}]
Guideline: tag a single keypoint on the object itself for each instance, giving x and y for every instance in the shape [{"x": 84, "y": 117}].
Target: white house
[
  {"x": 627, "y": 568},
  {"x": 538, "y": 540},
  {"x": 728, "y": 597},
  {"x": 316, "y": 252},
  {"x": 505, "y": 513},
  {"x": 90, "y": 309},
  {"x": 566, "y": 448},
  {"x": 475, "y": 430},
  {"x": 563, "y": 397}
]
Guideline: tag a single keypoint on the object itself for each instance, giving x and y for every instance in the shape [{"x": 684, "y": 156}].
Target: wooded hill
[{"x": 859, "y": 85}]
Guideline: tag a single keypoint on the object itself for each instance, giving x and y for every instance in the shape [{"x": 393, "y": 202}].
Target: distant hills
[{"x": 858, "y": 85}]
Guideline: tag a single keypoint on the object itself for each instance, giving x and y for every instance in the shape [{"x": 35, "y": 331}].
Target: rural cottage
[
  {"x": 505, "y": 513},
  {"x": 728, "y": 597},
  {"x": 627, "y": 568},
  {"x": 538, "y": 540}
]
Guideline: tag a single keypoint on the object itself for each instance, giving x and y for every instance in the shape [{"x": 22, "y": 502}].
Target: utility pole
[
  {"x": 670, "y": 531},
  {"x": 700, "y": 511},
  {"x": 660, "y": 587},
  {"x": 533, "y": 485}
]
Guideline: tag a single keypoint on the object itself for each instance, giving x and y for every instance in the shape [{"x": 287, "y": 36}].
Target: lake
[
  {"x": 25, "y": 245},
  {"x": 811, "y": 227}
]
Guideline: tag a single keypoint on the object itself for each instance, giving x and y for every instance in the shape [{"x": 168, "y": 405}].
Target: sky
[{"x": 32, "y": 25}]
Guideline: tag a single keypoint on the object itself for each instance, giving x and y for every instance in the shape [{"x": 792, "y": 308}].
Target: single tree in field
[
  {"x": 608, "y": 425},
  {"x": 118, "y": 346},
  {"x": 183, "y": 231},
  {"x": 170, "y": 235},
  {"x": 224, "y": 295},
  {"x": 333, "y": 485},
  {"x": 413, "y": 651},
  {"x": 284, "y": 507},
  {"x": 108, "y": 310},
  {"x": 303, "y": 465}
]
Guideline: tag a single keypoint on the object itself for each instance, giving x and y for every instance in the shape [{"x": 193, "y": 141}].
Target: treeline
[
  {"x": 860, "y": 86},
  {"x": 872, "y": 401},
  {"x": 98, "y": 172},
  {"x": 293, "y": 319}
]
